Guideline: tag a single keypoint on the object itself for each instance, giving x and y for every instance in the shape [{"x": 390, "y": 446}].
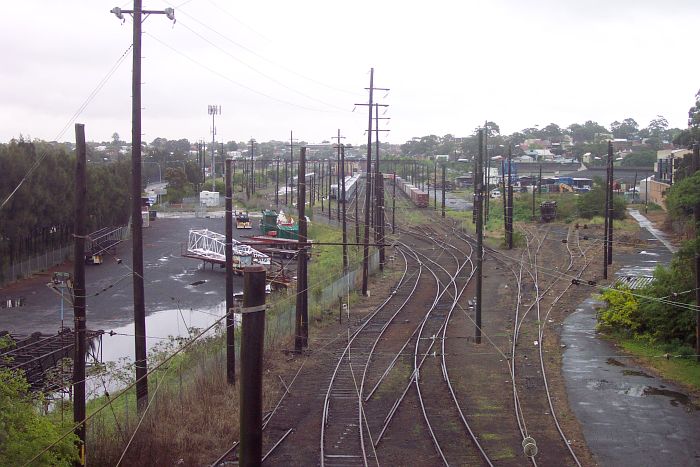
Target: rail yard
[{"x": 403, "y": 381}]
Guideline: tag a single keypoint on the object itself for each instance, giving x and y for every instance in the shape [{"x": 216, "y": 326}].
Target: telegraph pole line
[
  {"x": 443, "y": 190},
  {"x": 435, "y": 166},
  {"x": 510, "y": 198},
  {"x": 230, "y": 323},
  {"x": 286, "y": 183},
  {"x": 302, "y": 312},
  {"x": 136, "y": 220},
  {"x": 345, "y": 200},
  {"x": 696, "y": 218},
  {"x": 338, "y": 170},
  {"x": 611, "y": 206},
  {"x": 277, "y": 186},
  {"x": 252, "y": 349},
  {"x": 487, "y": 191},
  {"x": 607, "y": 212},
  {"x": 393, "y": 203},
  {"x": 79, "y": 305},
  {"x": 479, "y": 191},
  {"x": 330, "y": 188},
  {"x": 368, "y": 194},
  {"x": 322, "y": 182},
  {"x": 252, "y": 169},
  {"x": 379, "y": 191},
  {"x": 291, "y": 164}
]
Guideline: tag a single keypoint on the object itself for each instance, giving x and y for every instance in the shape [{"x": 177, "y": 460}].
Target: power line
[
  {"x": 252, "y": 52},
  {"x": 274, "y": 80},
  {"x": 221, "y": 75},
  {"x": 70, "y": 121}
]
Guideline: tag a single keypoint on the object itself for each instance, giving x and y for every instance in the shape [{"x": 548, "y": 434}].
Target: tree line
[{"x": 39, "y": 216}]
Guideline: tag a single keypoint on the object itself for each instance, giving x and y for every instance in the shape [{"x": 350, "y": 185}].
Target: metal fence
[
  {"x": 280, "y": 319},
  {"x": 42, "y": 262}
]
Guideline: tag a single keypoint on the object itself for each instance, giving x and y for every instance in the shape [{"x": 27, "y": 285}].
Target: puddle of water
[
  {"x": 636, "y": 373},
  {"x": 200, "y": 282},
  {"x": 646, "y": 223},
  {"x": 677, "y": 398},
  {"x": 612, "y": 361},
  {"x": 649, "y": 253}
]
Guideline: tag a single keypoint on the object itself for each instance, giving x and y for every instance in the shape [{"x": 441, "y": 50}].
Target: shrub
[{"x": 622, "y": 311}]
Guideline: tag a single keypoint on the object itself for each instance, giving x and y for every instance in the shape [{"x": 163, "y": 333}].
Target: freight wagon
[{"x": 417, "y": 196}]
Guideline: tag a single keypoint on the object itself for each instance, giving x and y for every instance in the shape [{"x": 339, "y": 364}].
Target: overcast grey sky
[{"x": 276, "y": 66}]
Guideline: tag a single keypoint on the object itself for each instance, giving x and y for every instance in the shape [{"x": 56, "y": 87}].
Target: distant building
[{"x": 667, "y": 161}]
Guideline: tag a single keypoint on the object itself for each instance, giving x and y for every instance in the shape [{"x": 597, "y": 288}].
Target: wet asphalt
[
  {"x": 180, "y": 293},
  {"x": 629, "y": 417}
]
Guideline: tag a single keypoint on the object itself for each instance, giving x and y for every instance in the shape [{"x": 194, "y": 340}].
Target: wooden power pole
[
  {"x": 79, "y": 305},
  {"x": 230, "y": 322}
]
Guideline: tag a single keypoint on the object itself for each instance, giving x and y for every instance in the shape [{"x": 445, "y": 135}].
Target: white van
[{"x": 495, "y": 194}]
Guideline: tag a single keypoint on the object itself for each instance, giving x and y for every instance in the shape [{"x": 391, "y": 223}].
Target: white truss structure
[{"x": 212, "y": 245}]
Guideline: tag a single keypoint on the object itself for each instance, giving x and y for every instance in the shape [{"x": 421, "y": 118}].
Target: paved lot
[
  {"x": 179, "y": 292},
  {"x": 629, "y": 417}
]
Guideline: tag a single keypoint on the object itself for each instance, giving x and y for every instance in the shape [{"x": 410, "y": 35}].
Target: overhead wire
[
  {"x": 261, "y": 57},
  {"x": 265, "y": 75},
  {"x": 226, "y": 78},
  {"x": 72, "y": 119}
]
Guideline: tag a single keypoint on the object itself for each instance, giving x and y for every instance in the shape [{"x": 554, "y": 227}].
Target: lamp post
[{"x": 213, "y": 110}]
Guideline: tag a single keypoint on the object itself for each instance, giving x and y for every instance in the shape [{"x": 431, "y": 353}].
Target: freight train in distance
[{"x": 417, "y": 196}]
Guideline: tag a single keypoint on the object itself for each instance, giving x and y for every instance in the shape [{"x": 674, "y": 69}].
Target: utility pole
[
  {"x": 345, "y": 226},
  {"x": 230, "y": 322},
  {"x": 302, "y": 312},
  {"x": 487, "y": 191},
  {"x": 252, "y": 169},
  {"x": 252, "y": 347},
  {"x": 534, "y": 192},
  {"x": 443, "y": 191},
  {"x": 393, "y": 203},
  {"x": 479, "y": 200},
  {"x": 611, "y": 206},
  {"x": 323, "y": 185},
  {"x": 510, "y": 198},
  {"x": 213, "y": 110},
  {"x": 338, "y": 170},
  {"x": 79, "y": 307},
  {"x": 435, "y": 186},
  {"x": 379, "y": 190},
  {"x": 696, "y": 218},
  {"x": 357, "y": 215},
  {"x": 607, "y": 212},
  {"x": 136, "y": 220},
  {"x": 277, "y": 185},
  {"x": 330, "y": 188},
  {"x": 291, "y": 162},
  {"x": 365, "y": 255},
  {"x": 505, "y": 202},
  {"x": 286, "y": 183}
]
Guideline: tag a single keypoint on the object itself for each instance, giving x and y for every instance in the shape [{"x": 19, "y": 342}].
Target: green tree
[
  {"x": 23, "y": 432},
  {"x": 593, "y": 204},
  {"x": 644, "y": 158},
  {"x": 627, "y": 129},
  {"x": 692, "y": 134},
  {"x": 177, "y": 184}
]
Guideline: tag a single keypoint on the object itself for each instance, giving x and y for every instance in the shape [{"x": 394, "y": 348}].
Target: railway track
[{"x": 395, "y": 369}]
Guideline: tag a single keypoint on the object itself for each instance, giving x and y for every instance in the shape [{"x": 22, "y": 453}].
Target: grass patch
[
  {"x": 491, "y": 436},
  {"x": 395, "y": 381},
  {"x": 503, "y": 454},
  {"x": 683, "y": 369}
]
